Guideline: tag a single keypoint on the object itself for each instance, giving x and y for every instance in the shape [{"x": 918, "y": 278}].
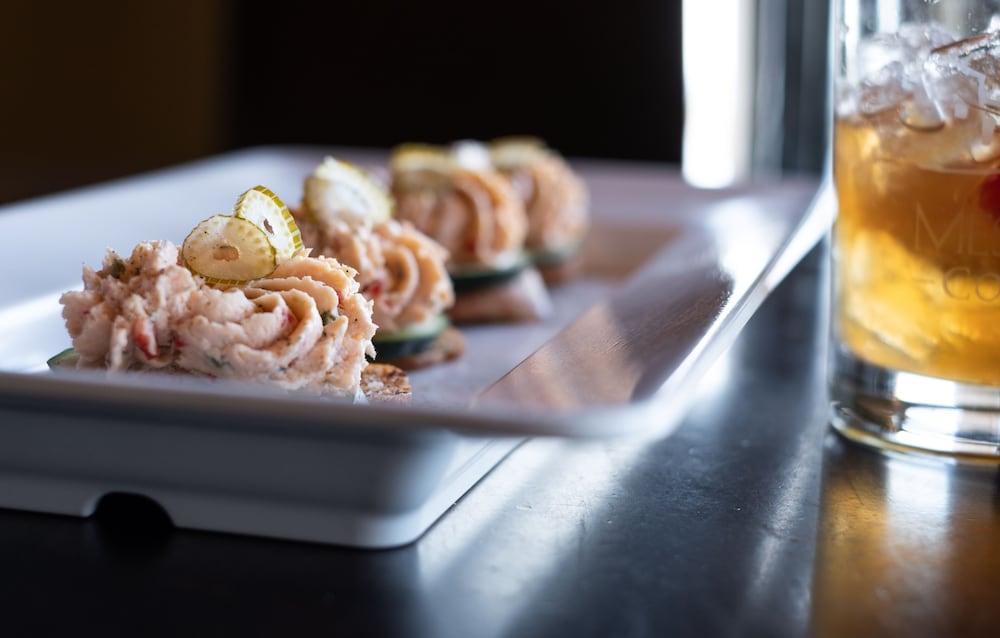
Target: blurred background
[{"x": 93, "y": 91}]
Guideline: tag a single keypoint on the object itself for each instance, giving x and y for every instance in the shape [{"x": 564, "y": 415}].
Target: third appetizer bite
[
  {"x": 346, "y": 214},
  {"x": 554, "y": 197},
  {"x": 455, "y": 196},
  {"x": 240, "y": 300}
]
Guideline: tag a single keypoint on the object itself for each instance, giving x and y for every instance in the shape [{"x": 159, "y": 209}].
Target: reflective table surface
[{"x": 752, "y": 519}]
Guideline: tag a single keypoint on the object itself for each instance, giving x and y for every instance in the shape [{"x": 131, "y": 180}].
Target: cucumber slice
[
  {"x": 430, "y": 328},
  {"x": 554, "y": 256},
  {"x": 340, "y": 190},
  {"x": 467, "y": 279},
  {"x": 265, "y": 210},
  {"x": 229, "y": 251},
  {"x": 65, "y": 359},
  {"x": 409, "y": 341}
]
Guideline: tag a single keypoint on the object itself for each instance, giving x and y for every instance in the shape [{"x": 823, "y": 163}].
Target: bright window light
[{"x": 718, "y": 40}]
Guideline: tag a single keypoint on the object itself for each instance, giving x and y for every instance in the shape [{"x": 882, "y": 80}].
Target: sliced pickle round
[
  {"x": 510, "y": 152},
  {"x": 228, "y": 251},
  {"x": 423, "y": 157},
  {"x": 265, "y": 210},
  {"x": 340, "y": 190}
]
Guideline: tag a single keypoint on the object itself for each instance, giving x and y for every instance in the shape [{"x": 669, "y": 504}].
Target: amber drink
[{"x": 916, "y": 161}]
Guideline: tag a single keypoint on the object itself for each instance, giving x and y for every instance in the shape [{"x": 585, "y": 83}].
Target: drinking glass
[{"x": 916, "y": 246}]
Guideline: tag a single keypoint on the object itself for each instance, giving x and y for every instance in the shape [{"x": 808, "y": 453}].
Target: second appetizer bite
[
  {"x": 240, "y": 300},
  {"x": 346, "y": 214},
  {"x": 554, "y": 197},
  {"x": 456, "y": 197}
]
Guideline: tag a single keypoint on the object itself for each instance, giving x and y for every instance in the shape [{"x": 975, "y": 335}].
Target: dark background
[
  {"x": 594, "y": 79},
  {"x": 93, "y": 91}
]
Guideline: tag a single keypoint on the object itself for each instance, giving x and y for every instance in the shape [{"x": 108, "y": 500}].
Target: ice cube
[
  {"x": 883, "y": 90},
  {"x": 908, "y": 46},
  {"x": 920, "y": 114},
  {"x": 890, "y": 67},
  {"x": 878, "y": 52},
  {"x": 986, "y": 151},
  {"x": 924, "y": 37},
  {"x": 902, "y": 317},
  {"x": 994, "y": 24},
  {"x": 965, "y": 74}
]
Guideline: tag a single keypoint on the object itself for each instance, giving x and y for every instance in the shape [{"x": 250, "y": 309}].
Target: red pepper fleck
[
  {"x": 372, "y": 289},
  {"x": 144, "y": 341},
  {"x": 470, "y": 245},
  {"x": 178, "y": 343},
  {"x": 290, "y": 319},
  {"x": 989, "y": 196}
]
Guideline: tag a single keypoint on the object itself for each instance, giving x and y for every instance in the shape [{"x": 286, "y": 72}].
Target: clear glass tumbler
[{"x": 916, "y": 249}]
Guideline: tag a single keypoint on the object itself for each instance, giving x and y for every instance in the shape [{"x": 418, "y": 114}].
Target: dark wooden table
[{"x": 752, "y": 519}]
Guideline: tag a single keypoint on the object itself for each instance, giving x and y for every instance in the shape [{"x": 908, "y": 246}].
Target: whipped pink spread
[
  {"x": 124, "y": 315},
  {"x": 475, "y": 214},
  {"x": 399, "y": 268},
  {"x": 305, "y": 326},
  {"x": 556, "y": 201}
]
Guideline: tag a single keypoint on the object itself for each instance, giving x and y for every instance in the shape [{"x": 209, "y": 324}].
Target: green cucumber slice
[
  {"x": 467, "y": 279},
  {"x": 554, "y": 256},
  {"x": 65, "y": 359},
  {"x": 409, "y": 341}
]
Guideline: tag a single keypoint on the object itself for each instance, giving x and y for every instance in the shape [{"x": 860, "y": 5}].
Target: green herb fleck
[
  {"x": 327, "y": 317},
  {"x": 117, "y": 268}
]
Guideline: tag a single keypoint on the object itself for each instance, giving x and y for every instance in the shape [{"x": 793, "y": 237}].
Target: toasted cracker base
[
  {"x": 449, "y": 345},
  {"x": 522, "y": 298},
  {"x": 384, "y": 382}
]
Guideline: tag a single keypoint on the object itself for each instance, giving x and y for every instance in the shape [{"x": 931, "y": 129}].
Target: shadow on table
[{"x": 62, "y": 574}]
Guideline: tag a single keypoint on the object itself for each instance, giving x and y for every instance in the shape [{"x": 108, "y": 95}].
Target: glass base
[{"x": 906, "y": 412}]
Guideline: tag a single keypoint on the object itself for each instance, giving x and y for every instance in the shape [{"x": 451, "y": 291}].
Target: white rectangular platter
[{"x": 670, "y": 276}]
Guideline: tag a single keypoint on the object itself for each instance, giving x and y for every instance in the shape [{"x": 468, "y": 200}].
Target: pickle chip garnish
[
  {"x": 265, "y": 210},
  {"x": 510, "y": 152},
  {"x": 423, "y": 157},
  {"x": 229, "y": 251},
  {"x": 340, "y": 190}
]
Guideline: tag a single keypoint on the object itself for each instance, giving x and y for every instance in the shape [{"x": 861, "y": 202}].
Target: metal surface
[
  {"x": 752, "y": 519},
  {"x": 651, "y": 340}
]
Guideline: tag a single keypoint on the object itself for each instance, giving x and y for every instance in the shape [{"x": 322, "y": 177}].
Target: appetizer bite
[
  {"x": 554, "y": 197},
  {"x": 346, "y": 214},
  {"x": 456, "y": 197},
  {"x": 240, "y": 300}
]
